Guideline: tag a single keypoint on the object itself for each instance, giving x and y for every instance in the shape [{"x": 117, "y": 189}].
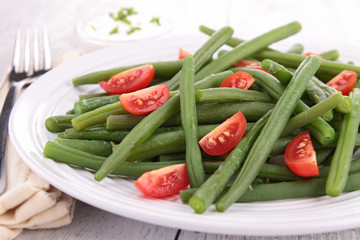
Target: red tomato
[
  {"x": 145, "y": 100},
  {"x": 344, "y": 81},
  {"x": 242, "y": 80},
  {"x": 163, "y": 182},
  {"x": 183, "y": 54},
  {"x": 129, "y": 80},
  {"x": 225, "y": 136},
  {"x": 314, "y": 54},
  {"x": 300, "y": 156},
  {"x": 250, "y": 64}
]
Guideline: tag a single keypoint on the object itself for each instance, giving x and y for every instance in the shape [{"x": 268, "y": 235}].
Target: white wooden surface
[{"x": 324, "y": 19}]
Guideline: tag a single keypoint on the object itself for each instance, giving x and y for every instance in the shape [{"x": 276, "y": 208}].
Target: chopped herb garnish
[
  {"x": 155, "y": 20},
  {"x": 133, "y": 29},
  {"x": 114, "y": 30},
  {"x": 122, "y": 15},
  {"x": 93, "y": 27}
]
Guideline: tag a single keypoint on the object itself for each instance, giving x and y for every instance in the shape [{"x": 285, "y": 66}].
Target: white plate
[{"x": 53, "y": 94}]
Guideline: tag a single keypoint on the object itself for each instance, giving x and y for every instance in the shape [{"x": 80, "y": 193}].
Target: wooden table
[{"x": 335, "y": 20}]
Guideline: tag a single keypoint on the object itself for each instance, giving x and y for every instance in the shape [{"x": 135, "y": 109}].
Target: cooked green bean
[
  {"x": 340, "y": 163},
  {"x": 214, "y": 185},
  {"x": 331, "y": 55},
  {"x": 205, "y": 53},
  {"x": 94, "y": 134},
  {"x": 281, "y": 73},
  {"x": 231, "y": 94},
  {"x": 193, "y": 159},
  {"x": 207, "y": 113},
  {"x": 92, "y": 95},
  {"x": 247, "y": 48},
  {"x": 59, "y": 123},
  {"x": 86, "y": 105},
  {"x": 163, "y": 70},
  {"x": 297, "y": 48},
  {"x": 271, "y": 132},
  {"x": 96, "y": 147}
]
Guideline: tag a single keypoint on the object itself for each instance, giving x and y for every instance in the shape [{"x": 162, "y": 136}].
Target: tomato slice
[
  {"x": 145, "y": 100},
  {"x": 313, "y": 54},
  {"x": 344, "y": 82},
  {"x": 250, "y": 64},
  {"x": 183, "y": 54},
  {"x": 242, "y": 80},
  {"x": 163, "y": 182},
  {"x": 129, "y": 80},
  {"x": 300, "y": 156},
  {"x": 225, "y": 136}
]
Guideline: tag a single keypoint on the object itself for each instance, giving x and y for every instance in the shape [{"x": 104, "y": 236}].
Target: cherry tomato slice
[
  {"x": 145, "y": 100},
  {"x": 344, "y": 81},
  {"x": 183, "y": 54},
  {"x": 242, "y": 80},
  {"x": 163, "y": 182},
  {"x": 250, "y": 64},
  {"x": 225, "y": 136},
  {"x": 300, "y": 156},
  {"x": 129, "y": 80},
  {"x": 313, "y": 54}
]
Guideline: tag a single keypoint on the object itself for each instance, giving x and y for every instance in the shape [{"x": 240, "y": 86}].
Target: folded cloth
[{"x": 29, "y": 201}]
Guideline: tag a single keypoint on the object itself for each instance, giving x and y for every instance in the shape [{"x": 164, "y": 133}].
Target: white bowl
[{"x": 94, "y": 32}]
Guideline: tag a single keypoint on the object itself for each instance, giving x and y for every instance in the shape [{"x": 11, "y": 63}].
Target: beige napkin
[{"x": 30, "y": 202}]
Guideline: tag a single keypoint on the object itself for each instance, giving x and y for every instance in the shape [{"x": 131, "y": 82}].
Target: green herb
[
  {"x": 114, "y": 30},
  {"x": 133, "y": 29},
  {"x": 155, "y": 20},
  {"x": 123, "y": 14},
  {"x": 93, "y": 27}
]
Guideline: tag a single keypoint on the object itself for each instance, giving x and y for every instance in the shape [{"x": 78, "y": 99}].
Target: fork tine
[
  {"x": 17, "y": 69},
  {"x": 27, "y": 58},
  {"x": 47, "y": 51},
  {"x": 36, "y": 45}
]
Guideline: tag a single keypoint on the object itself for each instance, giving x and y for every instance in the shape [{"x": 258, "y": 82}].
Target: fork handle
[{"x": 4, "y": 124}]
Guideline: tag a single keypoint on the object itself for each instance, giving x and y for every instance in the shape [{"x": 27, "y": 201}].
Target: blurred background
[{"x": 335, "y": 20}]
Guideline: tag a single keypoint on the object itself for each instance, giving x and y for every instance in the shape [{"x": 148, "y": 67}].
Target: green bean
[
  {"x": 297, "y": 48},
  {"x": 207, "y": 113},
  {"x": 231, "y": 94},
  {"x": 312, "y": 113},
  {"x": 97, "y": 115},
  {"x": 163, "y": 70},
  {"x": 87, "y": 105},
  {"x": 75, "y": 157},
  {"x": 193, "y": 160},
  {"x": 281, "y": 73},
  {"x": 340, "y": 163},
  {"x": 285, "y": 190},
  {"x": 247, "y": 48},
  {"x": 331, "y": 55},
  {"x": 94, "y": 134},
  {"x": 59, "y": 123},
  {"x": 271, "y": 132},
  {"x": 319, "y": 128},
  {"x": 214, "y": 185},
  {"x": 205, "y": 53},
  {"x": 70, "y": 112},
  {"x": 147, "y": 127},
  {"x": 230, "y": 42},
  {"x": 96, "y": 147}
]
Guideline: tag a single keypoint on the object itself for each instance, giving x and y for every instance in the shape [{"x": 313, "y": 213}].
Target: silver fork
[{"x": 31, "y": 58}]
